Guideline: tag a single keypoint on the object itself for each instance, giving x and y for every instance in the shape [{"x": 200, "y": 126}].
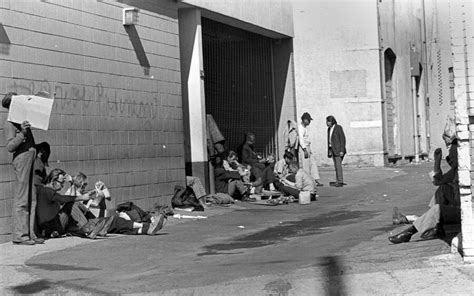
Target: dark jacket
[
  {"x": 337, "y": 141},
  {"x": 222, "y": 178},
  {"x": 249, "y": 156},
  {"x": 48, "y": 204}
]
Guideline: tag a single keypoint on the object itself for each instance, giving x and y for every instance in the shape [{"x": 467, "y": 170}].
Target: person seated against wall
[
  {"x": 303, "y": 182},
  {"x": 230, "y": 163},
  {"x": 114, "y": 223},
  {"x": 229, "y": 182},
  {"x": 260, "y": 172},
  {"x": 43, "y": 151},
  {"x": 56, "y": 211},
  {"x": 444, "y": 206}
]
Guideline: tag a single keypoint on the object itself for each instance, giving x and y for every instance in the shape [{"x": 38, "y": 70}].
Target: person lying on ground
[
  {"x": 114, "y": 223},
  {"x": 303, "y": 182}
]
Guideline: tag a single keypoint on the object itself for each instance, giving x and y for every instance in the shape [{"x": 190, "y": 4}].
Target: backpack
[
  {"x": 135, "y": 213},
  {"x": 185, "y": 197}
]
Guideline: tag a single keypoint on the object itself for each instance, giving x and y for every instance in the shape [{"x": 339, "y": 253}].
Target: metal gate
[{"x": 238, "y": 84}]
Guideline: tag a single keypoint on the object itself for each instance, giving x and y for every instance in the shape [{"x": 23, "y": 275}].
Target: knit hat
[{"x": 7, "y": 99}]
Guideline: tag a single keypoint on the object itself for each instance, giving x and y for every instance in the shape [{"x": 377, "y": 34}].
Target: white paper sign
[{"x": 36, "y": 110}]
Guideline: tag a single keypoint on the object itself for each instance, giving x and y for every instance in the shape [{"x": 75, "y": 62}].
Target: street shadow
[
  {"x": 43, "y": 285},
  {"x": 57, "y": 267},
  {"x": 32, "y": 288},
  {"x": 333, "y": 269}
]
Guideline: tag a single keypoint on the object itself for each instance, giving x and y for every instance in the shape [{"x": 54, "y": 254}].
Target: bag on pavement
[{"x": 185, "y": 197}]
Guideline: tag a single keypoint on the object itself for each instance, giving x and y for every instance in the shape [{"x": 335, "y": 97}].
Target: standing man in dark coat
[{"x": 336, "y": 148}]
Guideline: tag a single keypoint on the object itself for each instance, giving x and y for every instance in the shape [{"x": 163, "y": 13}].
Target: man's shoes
[
  {"x": 319, "y": 184},
  {"x": 38, "y": 240},
  {"x": 433, "y": 233},
  {"x": 339, "y": 185},
  {"x": 399, "y": 218},
  {"x": 404, "y": 236},
  {"x": 157, "y": 223},
  {"x": 29, "y": 242},
  {"x": 332, "y": 183}
]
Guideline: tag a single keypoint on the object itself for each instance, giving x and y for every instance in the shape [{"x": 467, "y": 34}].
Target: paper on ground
[{"x": 36, "y": 110}]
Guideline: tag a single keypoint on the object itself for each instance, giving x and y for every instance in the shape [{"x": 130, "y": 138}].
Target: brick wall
[
  {"x": 463, "y": 64},
  {"x": 112, "y": 119}
]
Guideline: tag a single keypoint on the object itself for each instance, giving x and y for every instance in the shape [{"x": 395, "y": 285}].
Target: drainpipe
[
  {"x": 426, "y": 72},
  {"x": 382, "y": 88},
  {"x": 415, "y": 121}
]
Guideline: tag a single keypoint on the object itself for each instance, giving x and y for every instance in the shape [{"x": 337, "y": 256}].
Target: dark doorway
[
  {"x": 238, "y": 84},
  {"x": 390, "y": 115}
]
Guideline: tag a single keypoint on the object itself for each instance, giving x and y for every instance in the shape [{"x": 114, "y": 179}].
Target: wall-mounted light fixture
[{"x": 130, "y": 16}]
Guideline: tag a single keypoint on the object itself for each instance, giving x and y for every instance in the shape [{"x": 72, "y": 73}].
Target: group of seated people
[
  {"x": 59, "y": 213},
  {"x": 255, "y": 173}
]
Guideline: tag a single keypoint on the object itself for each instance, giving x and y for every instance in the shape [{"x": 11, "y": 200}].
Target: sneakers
[
  {"x": 399, "y": 218},
  {"x": 38, "y": 240},
  {"x": 157, "y": 223},
  {"x": 271, "y": 187}
]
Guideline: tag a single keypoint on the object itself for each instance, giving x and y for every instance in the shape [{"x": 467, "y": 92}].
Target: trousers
[
  {"x": 338, "y": 167},
  {"x": 236, "y": 185},
  {"x": 309, "y": 164},
  {"x": 437, "y": 214},
  {"x": 24, "y": 201},
  {"x": 287, "y": 190}
]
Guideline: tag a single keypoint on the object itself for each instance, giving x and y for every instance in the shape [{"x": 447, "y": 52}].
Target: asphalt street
[{"x": 335, "y": 246}]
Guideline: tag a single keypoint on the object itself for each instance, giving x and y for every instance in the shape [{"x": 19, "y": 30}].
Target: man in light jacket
[{"x": 307, "y": 158}]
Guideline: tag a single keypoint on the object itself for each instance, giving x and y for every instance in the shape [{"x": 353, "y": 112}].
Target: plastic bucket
[{"x": 305, "y": 198}]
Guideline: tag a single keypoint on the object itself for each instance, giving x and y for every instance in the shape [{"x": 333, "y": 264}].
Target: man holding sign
[{"x": 20, "y": 142}]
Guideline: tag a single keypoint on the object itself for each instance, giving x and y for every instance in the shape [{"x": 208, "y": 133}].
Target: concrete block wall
[
  {"x": 462, "y": 47},
  {"x": 112, "y": 119}
]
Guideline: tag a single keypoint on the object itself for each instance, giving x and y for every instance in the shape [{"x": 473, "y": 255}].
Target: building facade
[{"x": 131, "y": 100}]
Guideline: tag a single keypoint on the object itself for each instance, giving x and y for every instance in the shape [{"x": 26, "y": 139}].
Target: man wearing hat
[
  {"x": 20, "y": 142},
  {"x": 306, "y": 157}
]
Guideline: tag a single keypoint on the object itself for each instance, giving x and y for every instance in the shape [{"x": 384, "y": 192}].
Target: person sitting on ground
[
  {"x": 43, "y": 151},
  {"x": 230, "y": 163},
  {"x": 115, "y": 223},
  {"x": 56, "y": 211},
  {"x": 229, "y": 181},
  {"x": 444, "y": 206},
  {"x": 303, "y": 182},
  {"x": 251, "y": 159},
  {"x": 281, "y": 169}
]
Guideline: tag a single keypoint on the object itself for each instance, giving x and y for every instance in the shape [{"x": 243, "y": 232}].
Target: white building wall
[
  {"x": 462, "y": 48},
  {"x": 337, "y": 73}
]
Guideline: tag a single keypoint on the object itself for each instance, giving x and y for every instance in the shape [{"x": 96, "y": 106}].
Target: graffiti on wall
[{"x": 77, "y": 97}]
